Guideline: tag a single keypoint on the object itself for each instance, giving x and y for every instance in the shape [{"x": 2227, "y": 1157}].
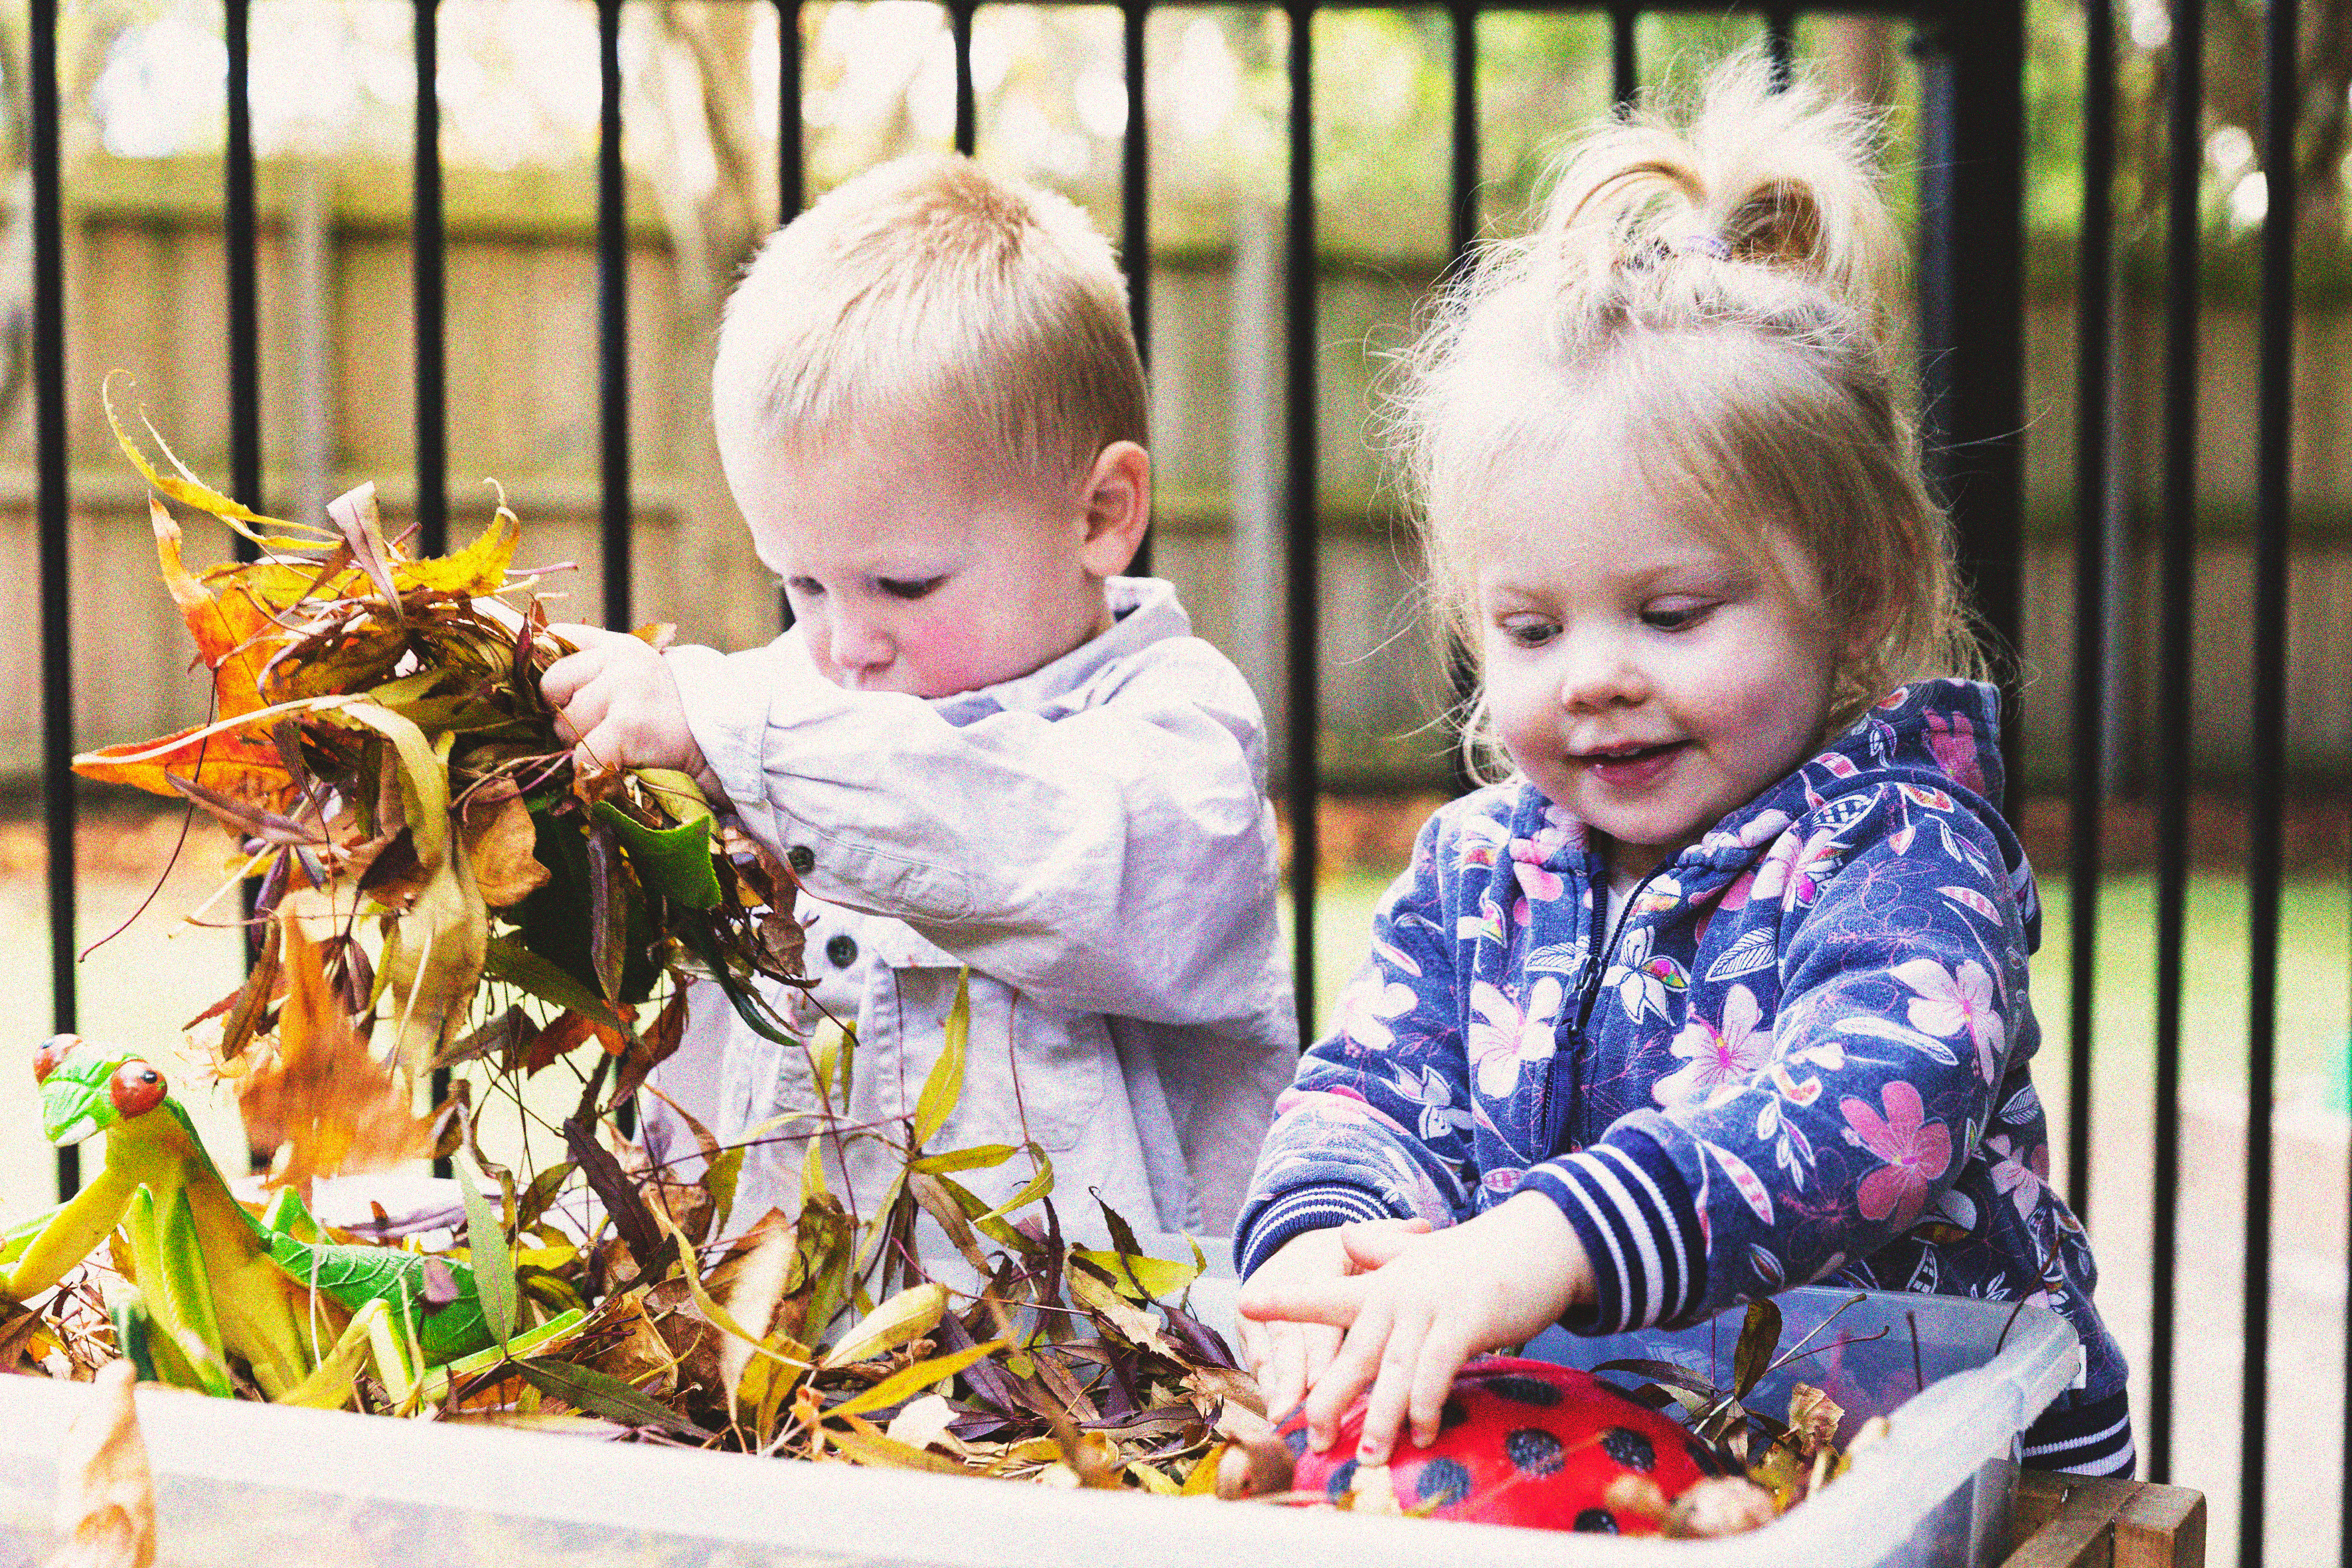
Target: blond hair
[
  {"x": 928, "y": 291},
  {"x": 1705, "y": 300}
]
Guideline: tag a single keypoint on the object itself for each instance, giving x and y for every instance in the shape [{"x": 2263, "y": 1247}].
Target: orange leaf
[{"x": 324, "y": 1096}]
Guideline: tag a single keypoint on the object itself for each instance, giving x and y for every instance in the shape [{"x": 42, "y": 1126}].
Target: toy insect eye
[
  {"x": 136, "y": 1089},
  {"x": 53, "y": 1051}
]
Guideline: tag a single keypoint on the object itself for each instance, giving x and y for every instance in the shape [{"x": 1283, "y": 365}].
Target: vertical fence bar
[
  {"x": 1624, "y": 68},
  {"x": 613, "y": 350},
  {"x": 2273, "y": 447},
  {"x": 2176, "y": 599},
  {"x": 1781, "y": 41},
  {"x": 243, "y": 311},
  {"x": 2094, "y": 326},
  {"x": 792, "y": 157},
  {"x": 1461, "y": 660},
  {"x": 967, "y": 126},
  {"x": 1971, "y": 325},
  {"x": 429, "y": 284},
  {"x": 1303, "y": 534},
  {"x": 1135, "y": 208},
  {"x": 56, "y": 552}
]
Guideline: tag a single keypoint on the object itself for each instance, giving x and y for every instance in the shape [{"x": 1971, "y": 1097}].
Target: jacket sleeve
[
  {"x": 1901, "y": 974},
  {"x": 1376, "y": 1124},
  {"x": 1118, "y": 859}
]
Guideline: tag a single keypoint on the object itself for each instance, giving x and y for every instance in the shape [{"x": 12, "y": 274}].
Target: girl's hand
[
  {"x": 1286, "y": 1357},
  {"x": 1427, "y": 1304},
  {"x": 618, "y": 701}
]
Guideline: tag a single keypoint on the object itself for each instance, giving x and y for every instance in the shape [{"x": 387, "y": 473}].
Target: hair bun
[{"x": 1784, "y": 175}]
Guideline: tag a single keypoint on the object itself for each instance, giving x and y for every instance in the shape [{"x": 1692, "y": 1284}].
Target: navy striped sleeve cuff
[
  {"x": 2094, "y": 1438},
  {"x": 1639, "y": 1227},
  {"x": 1303, "y": 1209}
]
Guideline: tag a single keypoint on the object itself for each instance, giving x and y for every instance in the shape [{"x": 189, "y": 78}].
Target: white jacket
[{"x": 1092, "y": 839}]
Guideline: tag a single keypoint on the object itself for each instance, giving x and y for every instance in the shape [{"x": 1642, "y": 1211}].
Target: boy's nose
[{"x": 858, "y": 644}]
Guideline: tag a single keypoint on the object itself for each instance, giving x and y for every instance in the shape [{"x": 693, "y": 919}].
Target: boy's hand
[
  {"x": 617, "y": 702},
  {"x": 1427, "y": 1304},
  {"x": 1286, "y": 1357}
]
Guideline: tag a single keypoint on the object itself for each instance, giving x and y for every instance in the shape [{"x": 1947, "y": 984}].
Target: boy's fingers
[
  {"x": 560, "y": 682},
  {"x": 1321, "y": 1343},
  {"x": 1288, "y": 1383}
]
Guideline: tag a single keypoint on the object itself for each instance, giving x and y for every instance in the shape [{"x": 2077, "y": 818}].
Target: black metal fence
[{"x": 1971, "y": 58}]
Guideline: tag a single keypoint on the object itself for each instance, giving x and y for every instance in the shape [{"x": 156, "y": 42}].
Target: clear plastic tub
[{"x": 241, "y": 1484}]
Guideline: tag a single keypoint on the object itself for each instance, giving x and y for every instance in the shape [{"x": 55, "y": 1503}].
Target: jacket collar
[{"x": 1144, "y": 611}]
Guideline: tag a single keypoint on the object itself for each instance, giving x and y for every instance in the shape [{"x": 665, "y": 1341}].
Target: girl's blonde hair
[
  {"x": 1703, "y": 302},
  {"x": 929, "y": 291}
]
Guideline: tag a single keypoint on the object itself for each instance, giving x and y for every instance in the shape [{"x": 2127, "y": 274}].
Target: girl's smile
[{"x": 1646, "y": 672}]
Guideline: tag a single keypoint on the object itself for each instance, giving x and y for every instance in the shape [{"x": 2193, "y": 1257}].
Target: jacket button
[
  {"x": 842, "y": 951},
  {"x": 801, "y": 859}
]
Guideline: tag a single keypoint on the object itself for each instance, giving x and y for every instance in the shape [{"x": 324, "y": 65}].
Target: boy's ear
[{"x": 1116, "y": 503}]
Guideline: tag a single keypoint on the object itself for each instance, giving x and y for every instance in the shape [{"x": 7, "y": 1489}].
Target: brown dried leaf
[
  {"x": 655, "y": 1045},
  {"x": 1813, "y": 1418},
  {"x": 106, "y": 1494},
  {"x": 321, "y": 1095},
  {"x": 500, "y": 836}
]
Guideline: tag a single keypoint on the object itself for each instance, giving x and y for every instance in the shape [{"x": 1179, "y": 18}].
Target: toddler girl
[{"x": 1723, "y": 989}]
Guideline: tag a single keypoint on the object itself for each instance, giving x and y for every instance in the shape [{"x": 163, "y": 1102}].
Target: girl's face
[{"x": 1644, "y": 675}]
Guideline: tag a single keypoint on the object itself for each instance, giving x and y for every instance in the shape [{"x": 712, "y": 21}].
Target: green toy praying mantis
[{"x": 302, "y": 1313}]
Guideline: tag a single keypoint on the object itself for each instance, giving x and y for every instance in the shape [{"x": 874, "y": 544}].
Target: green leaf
[
  {"x": 719, "y": 1179},
  {"x": 907, "y": 1381},
  {"x": 1759, "y": 1336},
  {"x": 943, "y": 1086},
  {"x": 672, "y": 861},
  {"x": 1037, "y": 1186},
  {"x": 508, "y": 960},
  {"x": 601, "y": 1393},
  {"x": 975, "y": 1159},
  {"x": 492, "y": 1259}
]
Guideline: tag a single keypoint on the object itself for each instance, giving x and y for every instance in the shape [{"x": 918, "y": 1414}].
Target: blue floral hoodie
[{"x": 1803, "y": 1054}]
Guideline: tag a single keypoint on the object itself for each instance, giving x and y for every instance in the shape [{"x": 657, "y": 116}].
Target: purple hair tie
[{"x": 1700, "y": 243}]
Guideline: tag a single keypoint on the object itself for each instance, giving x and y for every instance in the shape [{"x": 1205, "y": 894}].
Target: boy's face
[{"x": 912, "y": 568}]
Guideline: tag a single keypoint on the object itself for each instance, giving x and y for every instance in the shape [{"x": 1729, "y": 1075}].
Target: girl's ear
[{"x": 1116, "y": 507}]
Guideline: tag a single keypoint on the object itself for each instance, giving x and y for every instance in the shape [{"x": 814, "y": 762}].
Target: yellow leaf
[
  {"x": 1091, "y": 1293},
  {"x": 1157, "y": 1275},
  {"x": 910, "y": 1381},
  {"x": 943, "y": 1085},
  {"x": 871, "y": 1448},
  {"x": 481, "y": 568},
  {"x": 1153, "y": 1480},
  {"x": 910, "y": 1315}
]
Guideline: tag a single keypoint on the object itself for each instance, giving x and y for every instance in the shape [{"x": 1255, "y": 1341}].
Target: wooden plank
[
  {"x": 2081, "y": 1532},
  {"x": 2161, "y": 1527},
  {"x": 2039, "y": 1495}
]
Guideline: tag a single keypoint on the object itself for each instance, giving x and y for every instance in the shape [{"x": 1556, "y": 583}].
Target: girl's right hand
[{"x": 1287, "y": 1357}]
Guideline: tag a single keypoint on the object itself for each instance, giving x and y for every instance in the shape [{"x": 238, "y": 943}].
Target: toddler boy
[{"x": 979, "y": 745}]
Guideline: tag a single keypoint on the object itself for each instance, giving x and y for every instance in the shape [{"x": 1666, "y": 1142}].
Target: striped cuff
[
  {"x": 1302, "y": 1209},
  {"x": 2090, "y": 1439},
  {"x": 1639, "y": 1227}
]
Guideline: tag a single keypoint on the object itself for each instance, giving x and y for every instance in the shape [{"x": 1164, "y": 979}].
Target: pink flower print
[
  {"x": 1718, "y": 1059},
  {"x": 1792, "y": 873},
  {"x": 1534, "y": 882},
  {"x": 1757, "y": 829},
  {"x": 1953, "y": 740},
  {"x": 1560, "y": 831},
  {"x": 2019, "y": 1173},
  {"x": 1368, "y": 1006},
  {"x": 1953, "y": 1001},
  {"x": 1502, "y": 1034},
  {"x": 1917, "y": 1152}
]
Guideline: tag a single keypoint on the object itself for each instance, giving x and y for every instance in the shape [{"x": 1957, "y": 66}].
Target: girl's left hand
[{"x": 1429, "y": 1303}]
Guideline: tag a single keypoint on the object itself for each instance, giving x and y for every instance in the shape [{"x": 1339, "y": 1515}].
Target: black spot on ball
[
  {"x": 1442, "y": 1483},
  {"x": 1342, "y": 1481},
  {"x": 1630, "y": 1449},
  {"x": 1596, "y": 1522},
  {"x": 1533, "y": 1451},
  {"x": 1704, "y": 1458},
  {"x": 1296, "y": 1441},
  {"x": 1455, "y": 1414},
  {"x": 1520, "y": 1390}
]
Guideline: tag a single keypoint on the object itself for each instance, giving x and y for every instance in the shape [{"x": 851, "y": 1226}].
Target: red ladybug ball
[{"x": 1521, "y": 1442}]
